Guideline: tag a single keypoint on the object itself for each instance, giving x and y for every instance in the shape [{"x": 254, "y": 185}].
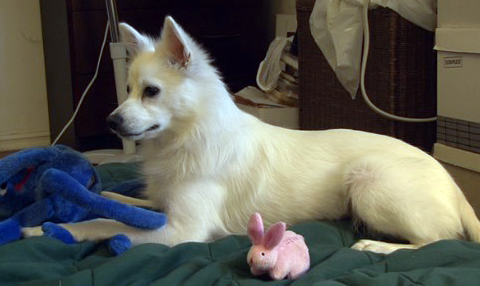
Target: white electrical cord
[
  {"x": 366, "y": 46},
  {"x": 86, "y": 89}
]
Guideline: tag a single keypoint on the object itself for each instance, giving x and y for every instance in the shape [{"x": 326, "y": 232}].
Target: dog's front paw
[
  {"x": 32, "y": 231},
  {"x": 376, "y": 246}
]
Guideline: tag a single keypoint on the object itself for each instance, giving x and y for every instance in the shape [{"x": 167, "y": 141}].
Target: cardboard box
[
  {"x": 458, "y": 68},
  {"x": 267, "y": 110},
  {"x": 458, "y": 97},
  {"x": 458, "y": 14}
]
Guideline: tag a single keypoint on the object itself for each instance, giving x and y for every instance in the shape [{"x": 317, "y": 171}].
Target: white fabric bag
[{"x": 337, "y": 27}]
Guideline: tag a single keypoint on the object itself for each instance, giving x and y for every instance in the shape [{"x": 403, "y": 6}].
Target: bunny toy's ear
[
  {"x": 255, "y": 229},
  {"x": 275, "y": 235}
]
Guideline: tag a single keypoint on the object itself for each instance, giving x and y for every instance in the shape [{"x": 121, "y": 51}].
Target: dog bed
[{"x": 46, "y": 261}]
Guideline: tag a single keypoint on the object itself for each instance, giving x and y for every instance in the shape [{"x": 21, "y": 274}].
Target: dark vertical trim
[{"x": 57, "y": 66}]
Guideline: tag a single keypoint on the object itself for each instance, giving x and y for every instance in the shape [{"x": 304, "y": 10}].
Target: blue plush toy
[{"x": 58, "y": 185}]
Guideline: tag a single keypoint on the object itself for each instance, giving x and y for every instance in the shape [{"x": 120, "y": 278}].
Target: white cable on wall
[
  {"x": 86, "y": 89},
  {"x": 366, "y": 46}
]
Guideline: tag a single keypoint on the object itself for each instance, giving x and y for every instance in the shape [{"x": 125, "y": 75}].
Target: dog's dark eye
[
  {"x": 150, "y": 91},
  {"x": 128, "y": 89}
]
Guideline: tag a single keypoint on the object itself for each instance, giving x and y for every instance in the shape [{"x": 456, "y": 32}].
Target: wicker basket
[{"x": 400, "y": 79}]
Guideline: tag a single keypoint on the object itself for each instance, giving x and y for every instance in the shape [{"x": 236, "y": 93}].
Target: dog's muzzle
[{"x": 116, "y": 124}]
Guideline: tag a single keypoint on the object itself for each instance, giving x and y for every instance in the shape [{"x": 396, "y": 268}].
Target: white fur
[{"x": 209, "y": 165}]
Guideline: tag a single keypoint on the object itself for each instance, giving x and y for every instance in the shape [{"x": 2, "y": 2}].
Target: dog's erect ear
[
  {"x": 133, "y": 40},
  {"x": 174, "y": 39}
]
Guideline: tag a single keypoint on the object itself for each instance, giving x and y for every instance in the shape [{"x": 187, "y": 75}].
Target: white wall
[
  {"x": 278, "y": 7},
  {"x": 23, "y": 94}
]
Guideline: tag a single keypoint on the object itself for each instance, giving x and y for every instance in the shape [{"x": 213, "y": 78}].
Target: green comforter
[{"x": 46, "y": 261}]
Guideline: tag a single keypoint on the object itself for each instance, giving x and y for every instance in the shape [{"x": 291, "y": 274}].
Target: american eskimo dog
[{"x": 209, "y": 165}]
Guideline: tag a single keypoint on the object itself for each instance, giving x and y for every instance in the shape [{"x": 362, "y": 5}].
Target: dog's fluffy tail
[{"x": 470, "y": 222}]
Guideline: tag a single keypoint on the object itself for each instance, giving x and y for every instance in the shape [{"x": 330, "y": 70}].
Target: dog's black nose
[{"x": 114, "y": 121}]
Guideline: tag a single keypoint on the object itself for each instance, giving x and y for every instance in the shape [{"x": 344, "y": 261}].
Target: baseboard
[
  {"x": 457, "y": 157},
  {"x": 25, "y": 140}
]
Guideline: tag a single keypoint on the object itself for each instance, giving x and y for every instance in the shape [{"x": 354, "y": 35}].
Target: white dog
[{"x": 209, "y": 165}]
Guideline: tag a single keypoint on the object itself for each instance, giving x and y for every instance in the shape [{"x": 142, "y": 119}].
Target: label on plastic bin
[{"x": 452, "y": 62}]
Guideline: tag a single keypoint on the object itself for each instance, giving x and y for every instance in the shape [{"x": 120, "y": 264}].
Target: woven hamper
[{"x": 400, "y": 79}]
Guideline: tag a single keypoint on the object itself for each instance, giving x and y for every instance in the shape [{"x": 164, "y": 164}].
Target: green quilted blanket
[{"x": 46, "y": 261}]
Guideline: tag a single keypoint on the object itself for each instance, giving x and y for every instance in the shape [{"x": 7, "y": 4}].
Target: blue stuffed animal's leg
[
  {"x": 10, "y": 230},
  {"x": 59, "y": 182},
  {"x": 118, "y": 244},
  {"x": 36, "y": 213},
  {"x": 54, "y": 230},
  {"x": 33, "y": 215}
]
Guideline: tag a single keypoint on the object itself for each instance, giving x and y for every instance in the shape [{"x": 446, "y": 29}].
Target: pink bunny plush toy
[{"x": 279, "y": 252}]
